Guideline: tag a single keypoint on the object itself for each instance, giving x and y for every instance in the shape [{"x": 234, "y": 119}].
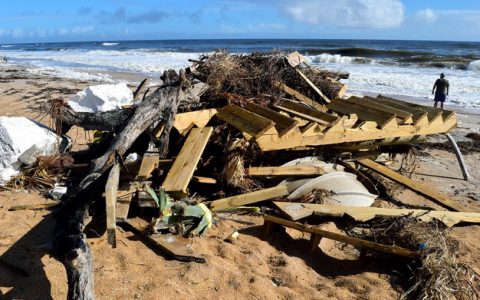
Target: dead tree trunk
[{"x": 70, "y": 243}]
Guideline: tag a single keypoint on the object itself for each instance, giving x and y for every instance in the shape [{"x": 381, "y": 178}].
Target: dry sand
[{"x": 250, "y": 268}]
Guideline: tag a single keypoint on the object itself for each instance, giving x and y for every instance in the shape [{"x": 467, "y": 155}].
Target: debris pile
[{"x": 230, "y": 133}]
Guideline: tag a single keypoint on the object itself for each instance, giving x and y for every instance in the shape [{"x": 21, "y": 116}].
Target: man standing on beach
[{"x": 440, "y": 88}]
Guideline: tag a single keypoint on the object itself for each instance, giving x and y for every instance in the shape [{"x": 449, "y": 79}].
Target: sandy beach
[{"x": 249, "y": 268}]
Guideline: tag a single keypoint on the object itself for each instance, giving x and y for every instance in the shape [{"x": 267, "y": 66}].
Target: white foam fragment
[
  {"x": 22, "y": 140},
  {"x": 100, "y": 98}
]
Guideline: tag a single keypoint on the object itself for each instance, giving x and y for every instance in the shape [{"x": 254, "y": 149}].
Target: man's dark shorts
[{"x": 440, "y": 97}]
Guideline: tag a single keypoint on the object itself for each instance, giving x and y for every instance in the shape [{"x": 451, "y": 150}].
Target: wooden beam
[
  {"x": 306, "y": 112},
  {"x": 249, "y": 198},
  {"x": 419, "y": 117},
  {"x": 187, "y": 120},
  {"x": 301, "y": 97},
  {"x": 124, "y": 199},
  {"x": 174, "y": 246},
  {"x": 416, "y": 186},
  {"x": 297, "y": 211},
  {"x": 111, "y": 189},
  {"x": 286, "y": 171},
  {"x": 148, "y": 164},
  {"x": 181, "y": 173},
  {"x": 244, "y": 120},
  {"x": 406, "y": 116},
  {"x": 357, "y": 242},
  {"x": 39, "y": 206},
  {"x": 313, "y": 86},
  {"x": 383, "y": 120},
  {"x": 283, "y": 124},
  {"x": 432, "y": 113},
  {"x": 204, "y": 180}
]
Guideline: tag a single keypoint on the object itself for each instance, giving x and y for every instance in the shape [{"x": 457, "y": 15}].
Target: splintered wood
[{"x": 181, "y": 173}]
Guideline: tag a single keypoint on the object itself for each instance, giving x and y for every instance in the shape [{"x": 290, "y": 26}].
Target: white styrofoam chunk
[{"x": 100, "y": 98}]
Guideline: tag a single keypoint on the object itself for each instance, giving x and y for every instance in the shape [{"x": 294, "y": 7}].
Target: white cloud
[
  {"x": 42, "y": 33},
  {"x": 347, "y": 13},
  {"x": 255, "y": 28},
  {"x": 427, "y": 15}
]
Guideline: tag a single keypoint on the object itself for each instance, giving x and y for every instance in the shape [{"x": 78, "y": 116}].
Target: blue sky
[{"x": 49, "y": 21}]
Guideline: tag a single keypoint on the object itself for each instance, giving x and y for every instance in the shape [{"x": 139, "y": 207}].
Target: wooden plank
[
  {"x": 283, "y": 124},
  {"x": 416, "y": 186},
  {"x": 286, "y": 171},
  {"x": 245, "y": 120},
  {"x": 297, "y": 211},
  {"x": 419, "y": 117},
  {"x": 249, "y": 198},
  {"x": 357, "y": 242},
  {"x": 124, "y": 199},
  {"x": 432, "y": 113},
  {"x": 382, "y": 119},
  {"x": 313, "y": 86},
  {"x": 308, "y": 110},
  {"x": 187, "y": 120},
  {"x": 406, "y": 116},
  {"x": 176, "y": 247},
  {"x": 111, "y": 189},
  {"x": 181, "y": 173},
  {"x": 305, "y": 111},
  {"x": 39, "y": 206},
  {"x": 204, "y": 180},
  {"x": 301, "y": 97},
  {"x": 148, "y": 164}
]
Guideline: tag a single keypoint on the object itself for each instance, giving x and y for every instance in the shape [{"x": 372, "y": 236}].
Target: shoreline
[{"x": 245, "y": 268}]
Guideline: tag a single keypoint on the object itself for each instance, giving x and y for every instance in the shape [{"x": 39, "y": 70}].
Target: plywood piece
[
  {"x": 111, "y": 189},
  {"x": 249, "y": 198},
  {"x": 244, "y": 120},
  {"x": 357, "y": 242},
  {"x": 286, "y": 171},
  {"x": 416, "y": 186},
  {"x": 283, "y": 123},
  {"x": 407, "y": 117},
  {"x": 181, "y": 172},
  {"x": 176, "y": 247},
  {"x": 313, "y": 86},
  {"x": 148, "y": 164},
  {"x": 384, "y": 120},
  {"x": 187, "y": 120},
  {"x": 297, "y": 211}
]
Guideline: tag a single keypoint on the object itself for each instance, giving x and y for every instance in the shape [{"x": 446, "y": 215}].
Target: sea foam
[{"x": 474, "y": 65}]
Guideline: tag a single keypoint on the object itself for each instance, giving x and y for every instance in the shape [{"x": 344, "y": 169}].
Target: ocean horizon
[{"x": 394, "y": 67}]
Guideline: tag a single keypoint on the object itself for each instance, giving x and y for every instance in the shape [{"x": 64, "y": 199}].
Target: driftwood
[{"x": 70, "y": 246}]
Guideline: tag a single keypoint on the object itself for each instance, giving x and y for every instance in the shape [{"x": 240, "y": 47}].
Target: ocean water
[{"x": 406, "y": 68}]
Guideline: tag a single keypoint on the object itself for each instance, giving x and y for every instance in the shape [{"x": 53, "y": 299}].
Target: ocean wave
[
  {"x": 326, "y": 58},
  {"x": 368, "y": 52},
  {"x": 474, "y": 66},
  {"x": 7, "y": 46},
  {"x": 109, "y": 44}
]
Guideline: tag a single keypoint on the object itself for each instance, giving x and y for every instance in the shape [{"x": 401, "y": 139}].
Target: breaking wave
[
  {"x": 339, "y": 59},
  {"x": 109, "y": 44},
  {"x": 368, "y": 52},
  {"x": 474, "y": 66}
]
